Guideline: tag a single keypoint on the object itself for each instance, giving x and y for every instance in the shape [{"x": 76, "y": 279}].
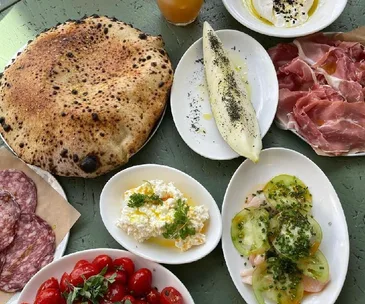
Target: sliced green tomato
[
  {"x": 286, "y": 290},
  {"x": 287, "y": 190},
  {"x": 315, "y": 267},
  {"x": 249, "y": 231},
  {"x": 317, "y": 237},
  {"x": 295, "y": 234}
]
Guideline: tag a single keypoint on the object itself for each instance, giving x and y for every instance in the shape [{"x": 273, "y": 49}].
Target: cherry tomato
[
  {"x": 125, "y": 264},
  {"x": 116, "y": 292},
  {"x": 65, "y": 282},
  {"x": 49, "y": 296},
  {"x": 102, "y": 261},
  {"x": 129, "y": 300},
  {"x": 84, "y": 271},
  {"x": 50, "y": 283},
  {"x": 153, "y": 297},
  {"x": 121, "y": 276},
  {"x": 170, "y": 295},
  {"x": 80, "y": 263},
  {"x": 141, "y": 302},
  {"x": 139, "y": 283}
]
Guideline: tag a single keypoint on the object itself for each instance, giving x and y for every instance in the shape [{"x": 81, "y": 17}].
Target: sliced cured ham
[
  {"x": 330, "y": 126},
  {"x": 9, "y": 215},
  {"x": 33, "y": 248},
  {"x": 283, "y": 53},
  {"x": 21, "y": 187},
  {"x": 312, "y": 48},
  {"x": 296, "y": 76},
  {"x": 322, "y": 92}
]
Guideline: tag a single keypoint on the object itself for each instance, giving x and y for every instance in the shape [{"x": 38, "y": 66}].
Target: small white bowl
[
  {"x": 111, "y": 204},
  {"x": 327, "y": 210},
  {"x": 161, "y": 276},
  {"x": 325, "y": 14}
]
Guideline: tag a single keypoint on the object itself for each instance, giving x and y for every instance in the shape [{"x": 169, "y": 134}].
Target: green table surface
[{"x": 208, "y": 280}]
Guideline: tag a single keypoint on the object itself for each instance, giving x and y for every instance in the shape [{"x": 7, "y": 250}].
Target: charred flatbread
[{"x": 84, "y": 96}]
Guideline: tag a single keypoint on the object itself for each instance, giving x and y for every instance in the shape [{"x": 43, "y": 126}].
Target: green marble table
[{"x": 208, "y": 279}]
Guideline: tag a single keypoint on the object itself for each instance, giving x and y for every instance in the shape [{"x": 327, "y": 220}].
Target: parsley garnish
[
  {"x": 181, "y": 227},
  {"x": 93, "y": 290},
  {"x": 138, "y": 200}
]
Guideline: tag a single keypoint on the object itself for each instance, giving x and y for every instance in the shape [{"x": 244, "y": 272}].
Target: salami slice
[
  {"x": 18, "y": 184},
  {"x": 33, "y": 248},
  {"x": 9, "y": 215}
]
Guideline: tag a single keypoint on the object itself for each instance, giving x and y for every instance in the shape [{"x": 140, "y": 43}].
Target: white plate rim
[
  {"x": 218, "y": 230},
  {"x": 98, "y": 251},
  {"x": 179, "y": 67},
  {"x": 61, "y": 248},
  {"x": 279, "y": 33},
  {"x": 345, "y": 227}
]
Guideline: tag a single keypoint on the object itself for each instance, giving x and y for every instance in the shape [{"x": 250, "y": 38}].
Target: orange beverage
[{"x": 180, "y": 12}]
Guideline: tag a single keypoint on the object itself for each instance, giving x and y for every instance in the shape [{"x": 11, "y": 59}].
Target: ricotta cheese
[
  {"x": 284, "y": 13},
  {"x": 149, "y": 220}
]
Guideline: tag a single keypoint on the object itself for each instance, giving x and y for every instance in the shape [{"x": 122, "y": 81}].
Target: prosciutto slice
[
  {"x": 322, "y": 89},
  {"x": 296, "y": 76},
  {"x": 330, "y": 126}
]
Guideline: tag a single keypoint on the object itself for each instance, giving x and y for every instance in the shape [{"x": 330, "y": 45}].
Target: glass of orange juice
[{"x": 180, "y": 12}]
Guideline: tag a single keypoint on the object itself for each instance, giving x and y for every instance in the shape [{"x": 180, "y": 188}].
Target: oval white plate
[
  {"x": 190, "y": 100},
  {"x": 326, "y": 13},
  {"x": 161, "y": 276},
  {"x": 111, "y": 203},
  {"x": 327, "y": 210},
  {"x": 60, "y": 250}
]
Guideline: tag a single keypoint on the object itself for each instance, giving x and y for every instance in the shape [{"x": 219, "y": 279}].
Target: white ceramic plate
[
  {"x": 190, "y": 105},
  {"x": 111, "y": 204},
  {"x": 327, "y": 210},
  {"x": 325, "y": 14},
  {"x": 161, "y": 276},
  {"x": 60, "y": 250}
]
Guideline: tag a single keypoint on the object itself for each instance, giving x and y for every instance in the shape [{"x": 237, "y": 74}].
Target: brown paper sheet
[
  {"x": 52, "y": 207},
  {"x": 356, "y": 35}
]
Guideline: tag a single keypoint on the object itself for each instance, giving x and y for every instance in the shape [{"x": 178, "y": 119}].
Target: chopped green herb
[
  {"x": 138, "y": 200},
  {"x": 181, "y": 227}
]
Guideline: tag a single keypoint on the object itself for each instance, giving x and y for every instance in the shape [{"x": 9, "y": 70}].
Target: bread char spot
[{"x": 89, "y": 164}]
